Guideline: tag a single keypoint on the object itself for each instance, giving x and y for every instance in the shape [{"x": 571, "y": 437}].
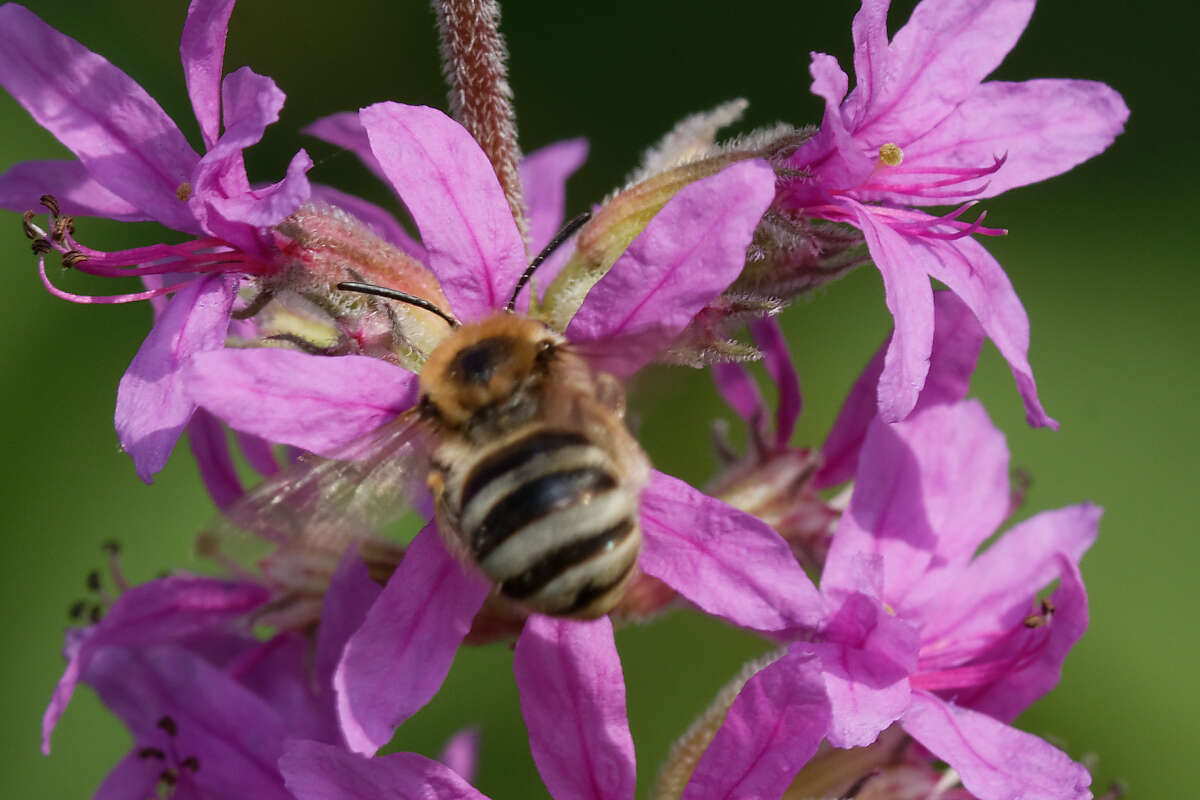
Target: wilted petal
[
  {"x": 316, "y": 403},
  {"x": 235, "y": 736},
  {"x": 974, "y": 275},
  {"x": 126, "y": 141},
  {"x": 727, "y": 562},
  {"x": 957, "y": 339},
  {"x": 77, "y": 193},
  {"x": 993, "y": 760},
  {"x": 573, "y": 702},
  {"x": 395, "y": 663},
  {"x": 316, "y": 771},
  {"x": 350, "y": 595},
  {"x": 770, "y": 732},
  {"x": 152, "y": 407},
  {"x": 202, "y": 50},
  {"x": 377, "y": 219},
  {"x": 688, "y": 254},
  {"x": 934, "y": 63},
  {"x": 160, "y": 611},
  {"x": 452, "y": 191},
  {"x": 1042, "y": 128},
  {"x": 544, "y": 176},
  {"x": 210, "y": 447},
  {"x": 910, "y": 299},
  {"x": 928, "y": 491}
]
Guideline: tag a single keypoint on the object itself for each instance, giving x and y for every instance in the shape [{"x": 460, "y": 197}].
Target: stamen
[
  {"x": 168, "y": 725},
  {"x": 890, "y": 155},
  {"x": 50, "y": 203},
  {"x": 76, "y": 610},
  {"x": 184, "y": 192},
  {"x": 133, "y": 297},
  {"x": 152, "y": 752}
]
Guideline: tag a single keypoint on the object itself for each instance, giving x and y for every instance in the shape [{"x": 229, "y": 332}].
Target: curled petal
[
  {"x": 452, "y": 191},
  {"x": 573, "y": 701},
  {"x": 202, "y": 50},
  {"x": 315, "y": 771},
  {"x": 928, "y": 492},
  {"x": 127, "y": 142},
  {"x": 687, "y": 255},
  {"x": 395, "y": 663},
  {"x": 165, "y": 610},
  {"x": 957, "y": 339},
  {"x": 316, "y": 403},
  {"x": 152, "y": 406},
  {"x": 993, "y": 760},
  {"x": 727, "y": 562},
  {"x": 77, "y": 193}
]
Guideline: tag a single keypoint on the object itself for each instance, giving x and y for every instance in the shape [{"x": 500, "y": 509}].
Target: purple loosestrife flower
[
  {"x": 922, "y": 631},
  {"x": 723, "y": 560},
  {"x": 210, "y": 707},
  {"x": 922, "y": 129},
  {"x": 135, "y": 164}
]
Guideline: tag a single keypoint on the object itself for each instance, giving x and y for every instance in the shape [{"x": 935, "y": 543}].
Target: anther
[
  {"x": 111, "y": 547},
  {"x": 890, "y": 154},
  {"x": 41, "y": 247},
  {"x": 1047, "y": 606},
  {"x": 167, "y": 724},
  {"x": 72, "y": 258},
  {"x": 27, "y": 226},
  {"x": 77, "y": 608},
  {"x": 1034, "y": 621},
  {"x": 62, "y": 226},
  {"x": 191, "y": 762},
  {"x": 95, "y": 613},
  {"x": 168, "y": 777},
  {"x": 50, "y": 203},
  {"x": 183, "y": 192},
  {"x": 93, "y": 581},
  {"x": 152, "y": 752}
]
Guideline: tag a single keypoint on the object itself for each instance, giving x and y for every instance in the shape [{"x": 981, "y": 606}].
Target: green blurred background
[{"x": 1102, "y": 257}]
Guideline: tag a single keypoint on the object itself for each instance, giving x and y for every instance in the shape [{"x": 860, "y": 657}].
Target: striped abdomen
[{"x": 547, "y": 517}]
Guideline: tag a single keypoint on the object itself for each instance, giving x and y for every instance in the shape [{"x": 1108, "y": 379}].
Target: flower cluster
[{"x": 311, "y": 324}]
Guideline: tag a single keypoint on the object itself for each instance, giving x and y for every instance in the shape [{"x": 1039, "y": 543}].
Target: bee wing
[{"x": 319, "y": 506}]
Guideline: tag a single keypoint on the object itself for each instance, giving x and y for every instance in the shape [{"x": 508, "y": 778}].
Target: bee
[{"x": 535, "y": 479}]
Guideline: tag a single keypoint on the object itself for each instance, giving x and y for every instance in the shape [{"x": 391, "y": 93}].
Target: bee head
[{"x": 485, "y": 364}]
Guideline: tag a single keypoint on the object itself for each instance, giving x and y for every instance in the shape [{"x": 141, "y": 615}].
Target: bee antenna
[
  {"x": 567, "y": 232},
  {"x": 396, "y": 294}
]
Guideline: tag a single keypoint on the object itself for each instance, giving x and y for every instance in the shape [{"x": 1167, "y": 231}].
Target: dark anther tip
[{"x": 168, "y": 725}]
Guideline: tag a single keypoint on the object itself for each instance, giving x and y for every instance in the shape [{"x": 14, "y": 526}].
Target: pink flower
[
  {"x": 922, "y": 631},
  {"x": 135, "y": 164},
  {"x": 725, "y": 561},
  {"x": 922, "y": 129}
]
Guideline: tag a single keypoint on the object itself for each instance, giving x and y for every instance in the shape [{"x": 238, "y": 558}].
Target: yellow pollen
[
  {"x": 184, "y": 192},
  {"x": 889, "y": 609},
  {"x": 890, "y": 155}
]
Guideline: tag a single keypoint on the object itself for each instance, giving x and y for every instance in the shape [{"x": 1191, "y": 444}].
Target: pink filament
[{"x": 132, "y": 297}]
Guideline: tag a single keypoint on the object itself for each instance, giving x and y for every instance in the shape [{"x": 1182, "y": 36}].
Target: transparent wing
[{"x": 307, "y": 516}]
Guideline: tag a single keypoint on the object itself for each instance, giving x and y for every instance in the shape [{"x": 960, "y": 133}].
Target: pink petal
[
  {"x": 317, "y": 403},
  {"x": 573, "y": 701},
  {"x": 772, "y": 729},
  {"x": 378, "y": 220},
  {"x": 315, "y": 771},
  {"x": 210, "y": 448},
  {"x": 994, "y": 761},
  {"x": 452, "y": 191},
  {"x": 996, "y": 591},
  {"x": 544, "y": 176},
  {"x": 395, "y": 663},
  {"x": 688, "y": 254},
  {"x": 234, "y": 734},
  {"x": 957, "y": 339},
  {"x": 350, "y": 595},
  {"x": 23, "y": 185},
  {"x": 928, "y": 492},
  {"x": 1043, "y": 128},
  {"x": 727, "y": 562},
  {"x": 831, "y": 152},
  {"x": 934, "y": 63},
  {"x": 974, "y": 275},
  {"x": 133, "y": 776},
  {"x": 870, "y": 34},
  {"x": 152, "y": 407},
  {"x": 461, "y": 753},
  {"x": 865, "y": 664},
  {"x": 778, "y": 361},
  {"x": 346, "y": 131},
  {"x": 160, "y": 611},
  {"x": 740, "y": 392},
  {"x": 258, "y": 452},
  {"x": 202, "y": 50},
  {"x": 910, "y": 299},
  {"x": 127, "y": 142}
]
